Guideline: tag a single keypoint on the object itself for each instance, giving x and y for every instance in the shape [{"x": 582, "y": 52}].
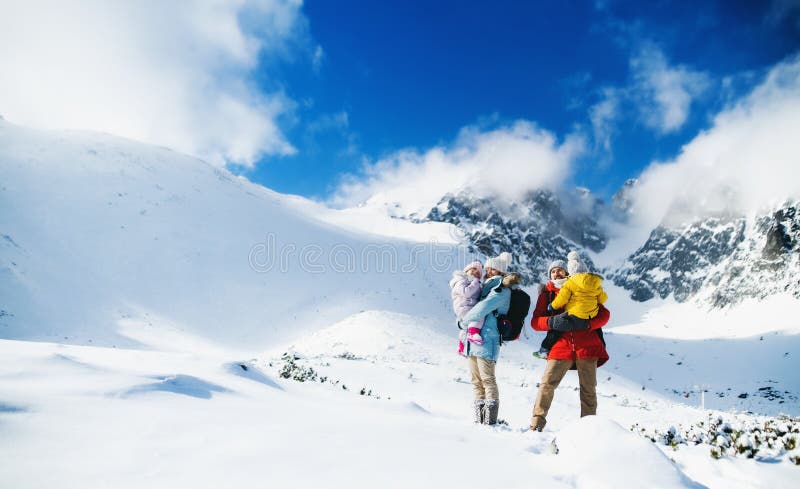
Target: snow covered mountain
[
  {"x": 247, "y": 337},
  {"x": 718, "y": 260},
  {"x": 103, "y": 238},
  {"x": 537, "y": 229}
]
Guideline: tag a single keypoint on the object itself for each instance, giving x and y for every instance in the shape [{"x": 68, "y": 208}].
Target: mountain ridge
[{"x": 716, "y": 260}]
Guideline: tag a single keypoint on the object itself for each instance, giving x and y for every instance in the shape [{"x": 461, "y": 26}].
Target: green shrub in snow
[
  {"x": 734, "y": 435},
  {"x": 291, "y": 368}
]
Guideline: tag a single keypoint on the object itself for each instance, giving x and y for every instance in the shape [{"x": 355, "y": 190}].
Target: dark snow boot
[
  {"x": 478, "y": 408},
  {"x": 537, "y": 423},
  {"x": 491, "y": 408}
]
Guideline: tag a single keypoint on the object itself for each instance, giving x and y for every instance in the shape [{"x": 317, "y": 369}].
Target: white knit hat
[
  {"x": 499, "y": 263},
  {"x": 574, "y": 264},
  {"x": 556, "y": 264}
]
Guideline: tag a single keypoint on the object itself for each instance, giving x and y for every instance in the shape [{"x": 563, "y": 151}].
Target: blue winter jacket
[{"x": 491, "y": 300}]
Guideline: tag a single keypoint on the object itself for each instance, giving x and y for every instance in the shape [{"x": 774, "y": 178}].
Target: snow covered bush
[
  {"x": 349, "y": 356},
  {"x": 734, "y": 435},
  {"x": 291, "y": 368}
]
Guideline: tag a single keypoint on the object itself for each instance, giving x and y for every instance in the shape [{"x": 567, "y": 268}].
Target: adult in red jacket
[{"x": 582, "y": 350}]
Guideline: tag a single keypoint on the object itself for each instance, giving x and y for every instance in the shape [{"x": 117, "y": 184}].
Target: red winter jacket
[{"x": 572, "y": 344}]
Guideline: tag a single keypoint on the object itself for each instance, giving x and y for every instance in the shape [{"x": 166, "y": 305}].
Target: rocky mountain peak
[
  {"x": 622, "y": 202},
  {"x": 718, "y": 260},
  {"x": 537, "y": 228}
]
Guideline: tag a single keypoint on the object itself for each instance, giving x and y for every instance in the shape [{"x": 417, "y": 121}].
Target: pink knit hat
[{"x": 475, "y": 264}]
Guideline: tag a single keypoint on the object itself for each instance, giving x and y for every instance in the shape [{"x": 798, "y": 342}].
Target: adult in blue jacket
[{"x": 483, "y": 358}]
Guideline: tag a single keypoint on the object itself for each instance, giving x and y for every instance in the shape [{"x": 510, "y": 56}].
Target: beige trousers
[
  {"x": 483, "y": 382},
  {"x": 554, "y": 372}
]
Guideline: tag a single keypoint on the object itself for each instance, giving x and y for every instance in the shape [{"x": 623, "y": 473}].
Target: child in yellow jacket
[
  {"x": 582, "y": 292},
  {"x": 579, "y": 296}
]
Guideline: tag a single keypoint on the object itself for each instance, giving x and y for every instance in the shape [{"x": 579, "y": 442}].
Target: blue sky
[
  {"x": 394, "y": 101},
  {"x": 395, "y": 75}
]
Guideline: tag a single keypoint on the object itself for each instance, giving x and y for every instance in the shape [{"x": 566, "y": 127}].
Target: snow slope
[
  {"x": 390, "y": 412},
  {"x": 144, "y": 343},
  {"x": 100, "y": 234}
]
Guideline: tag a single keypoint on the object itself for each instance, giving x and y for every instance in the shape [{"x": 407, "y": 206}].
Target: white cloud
[
  {"x": 603, "y": 116},
  {"x": 747, "y": 161},
  {"x": 317, "y": 58},
  {"x": 505, "y": 162},
  {"x": 169, "y": 73},
  {"x": 657, "y": 93},
  {"x": 664, "y": 93}
]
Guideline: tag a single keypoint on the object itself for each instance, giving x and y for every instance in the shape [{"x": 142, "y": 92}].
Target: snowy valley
[{"x": 164, "y": 323}]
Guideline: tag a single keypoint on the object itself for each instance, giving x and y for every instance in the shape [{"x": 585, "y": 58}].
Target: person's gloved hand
[
  {"x": 555, "y": 322},
  {"x": 567, "y": 322},
  {"x": 511, "y": 279},
  {"x": 550, "y": 308}
]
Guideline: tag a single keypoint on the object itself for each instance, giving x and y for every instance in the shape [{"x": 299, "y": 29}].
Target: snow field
[
  {"x": 95, "y": 416},
  {"x": 141, "y": 348}
]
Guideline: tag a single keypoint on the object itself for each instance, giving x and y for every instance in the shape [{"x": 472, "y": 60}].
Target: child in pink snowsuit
[{"x": 465, "y": 290}]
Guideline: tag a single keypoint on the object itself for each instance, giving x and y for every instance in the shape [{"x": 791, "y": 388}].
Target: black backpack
[{"x": 510, "y": 325}]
